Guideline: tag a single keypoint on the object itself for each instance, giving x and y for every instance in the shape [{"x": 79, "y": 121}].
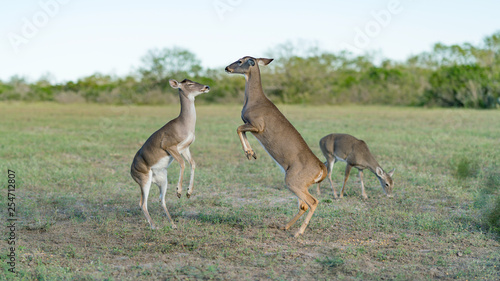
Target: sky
[{"x": 66, "y": 40}]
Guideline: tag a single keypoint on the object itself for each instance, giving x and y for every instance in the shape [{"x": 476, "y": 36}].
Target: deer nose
[{"x": 227, "y": 69}]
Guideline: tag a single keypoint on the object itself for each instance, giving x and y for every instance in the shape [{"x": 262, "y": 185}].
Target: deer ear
[
  {"x": 251, "y": 62},
  {"x": 391, "y": 172},
  {"x": 173, "y": 83},
  {"x": 379, "y": 171},
  {"x": 264, "y": 61}
]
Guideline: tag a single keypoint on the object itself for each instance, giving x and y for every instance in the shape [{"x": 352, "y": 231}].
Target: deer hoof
[
  {"x": 188, "y": 195},
  {"x": 179, "y": 195},
  {"x": 249, "y": 154}
]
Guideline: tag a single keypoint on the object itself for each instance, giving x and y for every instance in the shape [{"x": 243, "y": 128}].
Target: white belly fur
[
  {"x": 158, "y": 173},
  {"x": 162, "y": 164}
]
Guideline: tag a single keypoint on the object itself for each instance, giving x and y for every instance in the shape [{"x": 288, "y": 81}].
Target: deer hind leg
[
  {"x": 187, "y": 154},
  {"x": 318, "y": 191},
  {"x": 306, "y": 202},
  {"x": 302, "y": 209},
  {"x": 161, "y": 179},
  {"x": 347, "y": 172},
  {"x": 329, "y": 175},
  {"x": 145, "y": 187},
  {"x": 330, "y": 161}
]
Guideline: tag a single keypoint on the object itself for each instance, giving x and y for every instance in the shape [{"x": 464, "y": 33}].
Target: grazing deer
[
  {"x": 346, "y": 148},
  {"x": 163, "y": 146},
  {"x": 279, "y": 138}
]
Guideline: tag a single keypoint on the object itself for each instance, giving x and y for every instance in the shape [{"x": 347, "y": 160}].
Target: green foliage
[
  {"x": 160, "y": 64},
  {"x": 464, "y": 167},
  {"x": 448, "y": 76},
  {"x": 488, "y": 198},
  {"x": 462, "y": 86},
  {"x": 330, "y": 262},
  {"x": 493, "y": 218}
]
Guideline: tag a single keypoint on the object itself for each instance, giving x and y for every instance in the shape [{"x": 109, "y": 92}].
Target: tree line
[{"x": 461, "y": 75}]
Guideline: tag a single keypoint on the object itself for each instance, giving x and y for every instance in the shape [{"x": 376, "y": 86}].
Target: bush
[
  {"x": 448, "y": 76},
  {"x": 464, "y": 167},
  {"x": 493, "y": 217},
  {"x": 488, "y": 199}
]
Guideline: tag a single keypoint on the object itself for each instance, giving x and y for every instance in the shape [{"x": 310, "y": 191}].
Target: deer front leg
[
  {"x": 363, "y": 193},
  {"x": 177, "y": 156},
  {"x": 244, "y": 141}
]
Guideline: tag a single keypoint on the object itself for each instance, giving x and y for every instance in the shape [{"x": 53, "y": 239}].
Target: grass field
[{"x": 79, "y": 217}]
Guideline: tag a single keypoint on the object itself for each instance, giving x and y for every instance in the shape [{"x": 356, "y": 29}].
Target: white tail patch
[{"x": 316, "y": 180}]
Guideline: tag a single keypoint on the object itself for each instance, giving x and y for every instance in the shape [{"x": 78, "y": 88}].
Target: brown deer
[
  {"x": 279, "y": 138},
  {"x": 169, "y": 143},
  {"x": 355, "y": 152}
]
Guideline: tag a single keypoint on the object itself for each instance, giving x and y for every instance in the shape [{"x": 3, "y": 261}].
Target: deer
[
  {"x": 355, "y": 152},
  {"x": 279, "y": 138},
  {"x": 170, "y": 142}
]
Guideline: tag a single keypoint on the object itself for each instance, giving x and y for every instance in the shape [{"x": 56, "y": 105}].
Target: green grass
[{"x": 79, "y": 215}]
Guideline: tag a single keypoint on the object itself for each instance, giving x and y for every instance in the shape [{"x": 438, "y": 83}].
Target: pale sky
[{"x": 71, "y": 39}]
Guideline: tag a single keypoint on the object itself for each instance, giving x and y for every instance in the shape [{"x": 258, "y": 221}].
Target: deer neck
[
  {"x": 188, "y": 113},
  {"x": 253, "y": 88},
  {"x": 373, "y": 165}
]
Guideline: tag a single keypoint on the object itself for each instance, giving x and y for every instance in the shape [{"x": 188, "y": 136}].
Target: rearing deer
[
  {"x": 355, "y": 152},
  {"x": 163, "y": 146},
  {"x": 279, "y": 138}
]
